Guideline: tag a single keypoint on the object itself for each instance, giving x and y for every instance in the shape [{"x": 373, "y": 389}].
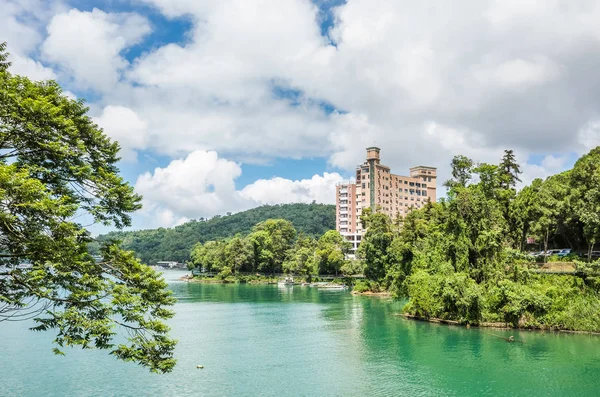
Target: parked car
[
  {"x": 565, "y": 252},
  {"x": 553, "y": 252}
]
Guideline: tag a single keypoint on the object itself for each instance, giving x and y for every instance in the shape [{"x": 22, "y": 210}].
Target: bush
[
  {"x": 352, "y": 267},
  {"x": 224, "y": 273},
  {"x": 362, "y": 286}
]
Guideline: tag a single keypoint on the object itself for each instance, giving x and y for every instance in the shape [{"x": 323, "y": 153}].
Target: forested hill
[{"x": 174, "y": 244}]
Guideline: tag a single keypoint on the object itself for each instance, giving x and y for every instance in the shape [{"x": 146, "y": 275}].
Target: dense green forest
[
  {"x": 463, "y": 258},
  {"x": 175, "y": 244},
  {"x": 274, "y": 246}
]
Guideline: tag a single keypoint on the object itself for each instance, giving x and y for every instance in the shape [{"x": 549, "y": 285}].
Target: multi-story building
[{"x": 377, "y": 188}]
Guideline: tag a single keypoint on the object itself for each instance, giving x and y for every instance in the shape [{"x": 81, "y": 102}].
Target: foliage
[
  {"x": 274, "y": 247},
  {"x": 463, "y": 258},
  {"x": 301, "y": 259},
  {"x": 55, "y": 166},
  {"x": 176, "y": 243},
  {"x": 374, "y": 247},
  {"x": 331, "y": 252}
]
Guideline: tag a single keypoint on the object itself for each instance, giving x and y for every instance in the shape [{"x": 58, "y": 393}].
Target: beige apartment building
[{"x": 377, "y": 188}]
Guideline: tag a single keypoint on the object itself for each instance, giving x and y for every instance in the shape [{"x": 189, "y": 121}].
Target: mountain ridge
[{"x": 175, "y": 244}]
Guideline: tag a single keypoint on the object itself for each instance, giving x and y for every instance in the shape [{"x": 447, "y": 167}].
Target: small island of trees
[{"x": 462, "y": 259}]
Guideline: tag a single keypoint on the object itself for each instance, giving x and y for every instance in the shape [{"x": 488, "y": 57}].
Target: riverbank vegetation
[
  {"x": 175, "y": 244},
  {"x": 463, "y": 258},
  {"x": 272, "y": 247}
]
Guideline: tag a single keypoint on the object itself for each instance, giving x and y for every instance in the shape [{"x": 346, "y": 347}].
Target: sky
[{"x": 224, "y": 105}]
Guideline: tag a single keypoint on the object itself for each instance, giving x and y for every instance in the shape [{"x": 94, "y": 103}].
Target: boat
[
  {"x": 332, "y": 286},
  {"x": 286, "y": 281}
]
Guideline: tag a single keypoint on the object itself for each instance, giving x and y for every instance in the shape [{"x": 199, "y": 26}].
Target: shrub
[
  {"x": 362, "y": 286},
  {"x": 225, "y": 272}
]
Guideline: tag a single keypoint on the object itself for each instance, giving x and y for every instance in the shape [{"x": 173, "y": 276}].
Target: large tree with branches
[{"x": 57, "y": 166}]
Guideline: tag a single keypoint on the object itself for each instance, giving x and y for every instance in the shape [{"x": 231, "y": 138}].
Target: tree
[
  {"x": 375, "y": 243},
  {"x": 331, "y": 252},
  {"x": 585, "y": 182},
  {"x": 462, "y": 169},
  {"x": 210, "y": 256},
  {"x": 56, "y": 164},
  {"x": 551, "y": 199},
  {"x": 271, "y": 241},
  {"x": 524, "y": 210},
  {"x": 4, "y": 63},
  {"x": 509, "y": 170},
  {"x": 239, "y": 254},
  {"x": 301, "y": 260}
]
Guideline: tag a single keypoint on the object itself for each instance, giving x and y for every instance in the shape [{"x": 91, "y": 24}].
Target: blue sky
[{"x": 222, "y": 105}]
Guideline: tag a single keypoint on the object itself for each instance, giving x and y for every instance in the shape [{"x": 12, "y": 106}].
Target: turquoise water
[{"x": 271, "y": 341}]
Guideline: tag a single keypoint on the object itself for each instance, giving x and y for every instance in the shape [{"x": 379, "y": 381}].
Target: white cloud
[
  {"x": 390, "y": 73},
  {"x": 88, "y": 45},
  {"x": 549, "y": 165},
  {"x": 589, "y": 136},
  {"x": 35, "y": 70},
  {"x": 125, "y": 126},
  {"x": 423, "y": 80},
  {"x": 280, "y": 190},
  {"x": 21, "y": 26},
  {"x": 203, "y": 185},
  {"x": 517, "y": 73}
]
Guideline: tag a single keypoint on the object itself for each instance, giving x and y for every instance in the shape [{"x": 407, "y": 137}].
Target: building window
[
  {"x": 429, "y": 179},
  {"x": 424, "y": 193}
]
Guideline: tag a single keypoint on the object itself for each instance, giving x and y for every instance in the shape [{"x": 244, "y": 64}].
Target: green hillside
[{"x": 175, "y": 243}]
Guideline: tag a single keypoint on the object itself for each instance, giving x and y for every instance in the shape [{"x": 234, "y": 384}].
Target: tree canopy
[
  {"x": 272, "y": 247},
  {"x": 55, "y": 166},
  {"x": 462, "y": 258},
  {"x": 176, "y": 243}
]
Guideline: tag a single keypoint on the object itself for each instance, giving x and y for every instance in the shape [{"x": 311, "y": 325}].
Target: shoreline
[
  {"x": 218, "y": 281},
  {"x": 434, "y": 320},
  {"x": 384, "y": 294}
]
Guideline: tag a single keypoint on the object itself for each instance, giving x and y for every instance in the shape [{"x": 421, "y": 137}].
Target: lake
[{"x": 300, "y": 341}]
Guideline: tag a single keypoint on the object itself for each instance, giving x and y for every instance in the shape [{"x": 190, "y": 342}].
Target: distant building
[{"x": 376, "y": 187}]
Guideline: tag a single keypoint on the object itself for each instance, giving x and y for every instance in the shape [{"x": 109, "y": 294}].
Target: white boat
[
  {"x": 286, "y": 281},
  {"x": 332, "y": 286}
]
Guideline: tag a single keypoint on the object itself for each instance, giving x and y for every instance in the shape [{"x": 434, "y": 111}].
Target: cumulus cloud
[
  {"x": 88, "y": 45},
  {"x": 280, "y": 190},
  {"x": 203, "y": 185},
  {"x": 589, "y": 136},
  {"x": 21, "y": 26},
  {"x": 256, "y": 80},
  {"x": 126, "y": 127}
]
